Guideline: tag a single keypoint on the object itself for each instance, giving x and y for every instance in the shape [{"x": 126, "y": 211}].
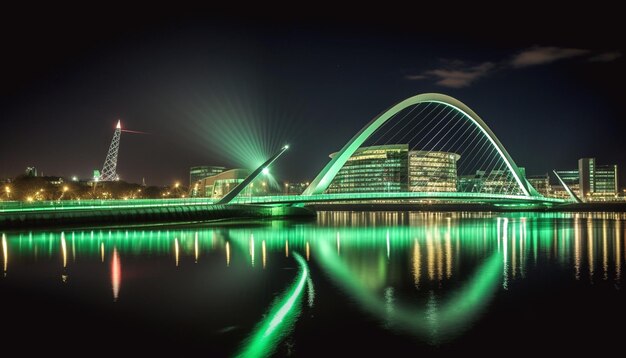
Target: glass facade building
[
  {"x": 217, "y": 186},
  {"x": 493, "y": 182},
  {"x": 605, "y": 180},
  {"x": 382, "y": 168},
  {"x": 395, "y": 168},
  {"x": 571, "y": 178},
  {"x": 432, "y": 171},
  {"x": 541, "y": 183},
  {"x": 597, "y": 182},
  {"x": 203, "y": 171},
  {"x": 499, "y": 182}
]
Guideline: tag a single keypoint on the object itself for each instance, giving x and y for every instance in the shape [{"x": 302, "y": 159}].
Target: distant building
[
  {"x": 216, "y": 186},
  {"x": 203, "y": 171},
  {"x": 54, "y": 180},
  {"x": 471, "y": 183},
  {"x": 597, "y": 182},
  {"x": 30, "y": 172},
  {"x": 494, "y": 181},
  {"x": 572, "y": 179},
  {"x": 296, "y": 188},
  {"x": 497, "y": 182},
  {"x": 541, "y": 183}
]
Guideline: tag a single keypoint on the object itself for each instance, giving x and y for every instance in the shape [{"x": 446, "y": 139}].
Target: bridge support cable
[
  {"x": 403, "y": 130},
  {"x": 398, "y": 121}
]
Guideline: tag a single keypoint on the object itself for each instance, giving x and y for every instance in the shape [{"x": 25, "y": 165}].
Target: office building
[
  {"x": 432, "y": 171},
  {"x": 541, "y": 183},
  {"x": 30, "y": 172},
  {"x": 203, "y": 171},
  {"x": 295, "y": 188},
  {"x": 571, "y": 178},
  {"x": 395, "y": 168},
  {"x": 381, "y": 168},
  {"x": 597, "y": 182},
  {"x": 216, "y": 186},
  {"x": 494, "y": 182}
]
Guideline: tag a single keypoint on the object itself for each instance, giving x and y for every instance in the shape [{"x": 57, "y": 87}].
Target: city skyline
[{"x": 281, "y": 81}]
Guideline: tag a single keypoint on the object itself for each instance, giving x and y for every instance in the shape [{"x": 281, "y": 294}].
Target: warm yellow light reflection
[
  {"x": 5, "y": 253},
  {"x": 308, "y": 251},
  {"x": 439, "y": 255},
  {"x": 605, "y": 251},
  {"x": 263, "y": 253},
  {"x": 618, "y": 250},
  {"x": 590, "y": 254},
  {"x": 286, "y": 248},
  {"x": 102, "y": 251},
  {"x": 227, "y": 254},
  {"x": 116, "y": 274},
  {"x": 176, "y": 250},
  {"x": 430, "y": 255},
  {"x": 252, "y": 249},
  {"x": 64, "y": 250},
  {"x": 417, "y": 264}
]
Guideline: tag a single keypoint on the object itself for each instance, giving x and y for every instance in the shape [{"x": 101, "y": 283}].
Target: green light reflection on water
[
  {"x": 365, "y": 256},
  {"x": 280, "y": 319}
]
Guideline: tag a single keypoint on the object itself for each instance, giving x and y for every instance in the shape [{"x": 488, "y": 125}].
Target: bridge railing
[
  {"x": 11, "y": 206},
  {"x": 457, "y": 196},
  {"x": 17, "y": 206}
]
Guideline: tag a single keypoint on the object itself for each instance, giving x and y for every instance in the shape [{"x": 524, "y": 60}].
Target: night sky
[{"x": 550, "y": 86}]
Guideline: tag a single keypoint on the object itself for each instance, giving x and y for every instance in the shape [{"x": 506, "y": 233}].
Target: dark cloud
[
  {"x": 457, "y": 74},
  {"x": 543, "y": 55},
  {"x": 606, "y": 56},
  {"x": 415, "y": 77}
]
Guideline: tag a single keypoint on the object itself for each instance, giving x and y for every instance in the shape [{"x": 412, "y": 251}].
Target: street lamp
[
  {"x": 65, "y": 189},
  {"x": 7, "y": 189}
]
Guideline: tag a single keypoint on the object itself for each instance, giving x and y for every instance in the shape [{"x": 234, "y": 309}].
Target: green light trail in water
[{"x": 280, "y": 319}]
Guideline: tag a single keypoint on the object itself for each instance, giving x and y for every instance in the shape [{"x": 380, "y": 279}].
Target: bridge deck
[{"x": 67, "y": 205}]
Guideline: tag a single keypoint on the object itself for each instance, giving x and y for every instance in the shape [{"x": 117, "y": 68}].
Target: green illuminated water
[{"x": 346, "y": 283}]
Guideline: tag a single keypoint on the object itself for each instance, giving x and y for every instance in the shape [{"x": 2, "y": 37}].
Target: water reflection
[
  {"x": 5, "y": 255},
  {"x": 116, "y": 274},
  {"x": 432, "y": 275}
]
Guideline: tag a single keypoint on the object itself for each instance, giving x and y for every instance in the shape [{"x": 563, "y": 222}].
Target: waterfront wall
[{"x": 137, "y": 215}]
